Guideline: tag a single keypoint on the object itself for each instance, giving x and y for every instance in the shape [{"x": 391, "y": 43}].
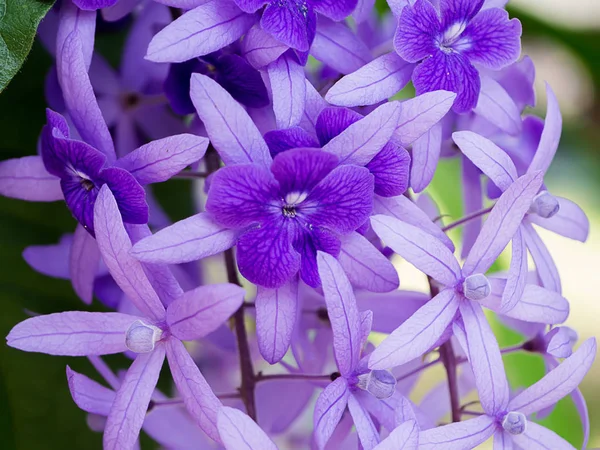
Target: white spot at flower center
[
  {"x": 514, "y": 423},
  {"x": 295, "y": 198},
  {"x": 454, "y": 32},
  {"x": 544, "y": 205},
  {"x": 141, "y": 337},
  {"x": 477, "y": 287}
]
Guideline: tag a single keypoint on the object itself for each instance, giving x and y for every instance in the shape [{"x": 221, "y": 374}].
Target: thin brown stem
[
  {"x": 191, "y": 175},
  {"x": 292, "y": 376},
  {"x": 467, "y": 218},
  {"x": 449, "y": 360}
]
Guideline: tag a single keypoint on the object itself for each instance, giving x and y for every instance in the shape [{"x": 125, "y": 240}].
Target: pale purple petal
[
  {"x": 539, "y": 305},
  {"x": 502, "y": 223},
  {"x": 313, "y": 107},
  {"x": 485, "y": 359},
  {"x": 373, "y": 83},
  {"x": 89, "y": 395},
  {"x": 472, "y": 195},
  {"x": 289, "y": 90},
  {"x": 133, "y": 397},
  {"x": 418, "y": 334},
  {"x": 419, "y": 248},
  {"x": 366, "y": 324},
  {"x": 503, "y": 440},
  {"x": 27, "y": 179},
  {"x": 404, "y": 437},
  {"x": 550, "y": 136},
  {"x": 560, "y": 342},
  {"x": 119, "y": 10},
  {"x": 450, "y": 72},
  {"x": 570, "y": 221},
  {"x": 338, "y": 47},
  {"x": 250, "y": 6},
  {"x": 419, "y": 114},
  {"x": 537, "y": 437},
  {"x": 201, "y": 311},
  {"x": 497, "y": 106},
  {"x": 362, "y": 140},
  {"x": 405, "y": 210},
  {"x": 72, "y": 333},
  {"x": 187, "y": 240},
  {"x": 278, "y": 409},
  {"x": 240, "y": 432},
  {"x": 114, "y": 246},
  {"x": 582, "y": 410},
  {"x": 363, "y": 11},
  {"x": 160, "y": 160},
  {"x": 51, "y": 260},
  {"x": 558, "y": 382},
  {"x": 342, "y": 311},
  {"x": 84, "y": 261},
  {"x": 458, "y": 436},
  {"x": 72, "y": 18},
  {"x": 425, "y": 156},
  {"x": 365, "y": 266},
  {"x": 517, "y": 273},
  {"x": 260, "y": 48},
  {"x": 329, "y": 409},
  {"x": 198, "y": 397},
  {"x": 390, "y": 309},
  {"x": 544, "y": 263},
  {"x": 367, "y": 433},
  {"x": 80, "y": 99},
  {"x": 488, "y": 157},
  {"x": 203, "y": 30},
  {"x": 159, "y": 424},
  {"x": 228, "y": 125},
  {"x": 276, "y": 311}
]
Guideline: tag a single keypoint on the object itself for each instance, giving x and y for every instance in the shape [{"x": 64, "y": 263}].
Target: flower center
[
  {"x": 87, "y": 184},
  {"x": 450, "y": 36},
  {"x": 141, "y": 337},
  {"x": 476, "y": 287},
  {"x": 380, "y": 383},
  {"x": 544, "y": 205},
  {"x": 514, "y": 423},
  {"x": 291, "y": 201}
]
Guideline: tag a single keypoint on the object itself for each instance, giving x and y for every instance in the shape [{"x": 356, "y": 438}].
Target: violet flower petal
[
  {"x": 488, "y": 157},
  {"x": 485, "y": 359},
  {"x": 417, "y": 334},
  {"x": 390, "y": 167},
  {"x": 333, "y": 121},
  {"x": 300, "y": 170},
  {"x": 198, "y": 397},
  {"x": 290, "y": 22},
  {"x": 294, "y": 137},
  {"x": 539, "y": 437},
  {"x": 84, "y": 261},
  {"x": 261, "y": 48},
  {"x": 187, "y": 240},
  {"x": 313, "y": 106},
  {"x": 419, "y": 248},
  {"x": 365, "y": 266},
  {"x": 276, "y": 311},
  {"x": 386, "y": 314},
  {"x": 133, "y": 397},
  {"x": 27, "y": 179},
  {"x": 425, "y": 157},
  {"x": 228, "y": 125},
  {"x": 160, "y": 160},
  {"x": 203, "y": 30},
  {"x": 329, "y": 408},
  {"x": 544, "y": 263},
  {"x": 539, "y": 305},
  {"x": 497, "y": 106},
  {"x": 517, "y": 273},
  {"x": 502, "y": 223},
  {"x": 404, "y": 437},
  {"x": 72, "y": 18},
  {"x": 550, "y": 136},
  {"x": 362, "y": 140},
  {"x": 72, "y": 333},
  {"x": 201, "y": 311},
  {"x": 557, "y": 383},
  {"x": 240, "y": 432},
  {"x": 342, "y": 311},
  {"x": 51, "y": 260},
  {"x": 334, "y": 9},
  {"x": 570, "y": 221},
  {"x": 472, "y": 196},
  {"x": 367, "y": 433},
  {"x": 89, "y": 395},
  {"x": 459, "y": 435},
  {"x": 419, "y": 114},
  {"x": 417, "y": 31},
  {"x": 372, "y": 83},
  {"x": 114, "y": 244}
]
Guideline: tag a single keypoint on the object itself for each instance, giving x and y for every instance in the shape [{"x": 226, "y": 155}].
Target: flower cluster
[{"x": 310, "y": 176}]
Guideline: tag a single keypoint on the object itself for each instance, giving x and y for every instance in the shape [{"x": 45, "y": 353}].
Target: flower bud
[
  {"x": 476, "y": 287},
  {"x": 380, "y": 383},
  {"x": 141, "y": 337},
  {"x": 544, "y": 205},
  {"x": 514, "y": 423}
]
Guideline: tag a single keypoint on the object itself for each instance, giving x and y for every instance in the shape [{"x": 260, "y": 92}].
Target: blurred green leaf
[{"x": 19, "y": 20}]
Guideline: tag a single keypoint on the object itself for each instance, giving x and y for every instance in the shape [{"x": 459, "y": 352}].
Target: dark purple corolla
[{"x": 451, "y": 42}]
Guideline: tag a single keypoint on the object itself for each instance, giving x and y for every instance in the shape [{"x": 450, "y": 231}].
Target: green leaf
[{"x": 19, "y": 20}]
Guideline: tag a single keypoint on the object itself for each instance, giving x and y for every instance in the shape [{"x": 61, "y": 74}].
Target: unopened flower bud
[
  {"x": 514, "y": 423},
  {"x": 544, "y": 205},
  {"x": 141, "y": 337},
  {"x": 477, "y": 287},
  {"x": 380, "y": 383}
]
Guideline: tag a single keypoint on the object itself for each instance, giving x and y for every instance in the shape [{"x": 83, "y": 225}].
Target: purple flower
[
  {"x": 446, "y": 44},
  {"x": 288, "y": 214},
  {"x": 215, "y": 24},
  {"x": 156, "y": 332}
]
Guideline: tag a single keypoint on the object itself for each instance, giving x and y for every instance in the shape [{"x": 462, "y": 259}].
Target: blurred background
[{"x": 562, "y": 38}]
